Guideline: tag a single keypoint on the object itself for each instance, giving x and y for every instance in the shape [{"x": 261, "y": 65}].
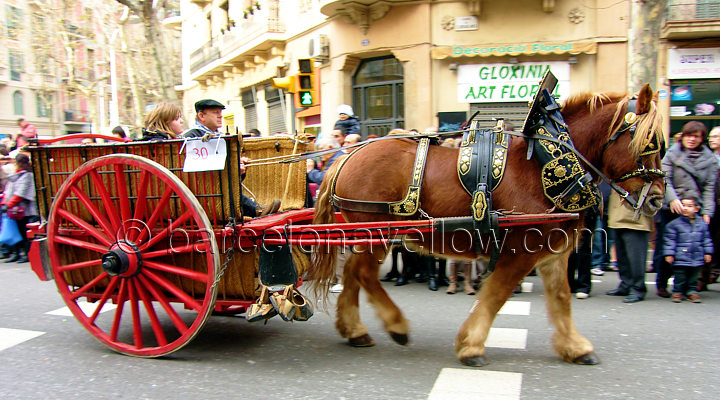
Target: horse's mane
[{"x": 649, "y": 124}]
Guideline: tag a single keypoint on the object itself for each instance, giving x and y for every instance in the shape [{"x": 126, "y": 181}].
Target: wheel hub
[{"x": 123, "y": 259}]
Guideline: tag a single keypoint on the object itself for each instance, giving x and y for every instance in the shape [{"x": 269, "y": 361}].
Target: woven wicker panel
[{"x": 217, "y": 192}]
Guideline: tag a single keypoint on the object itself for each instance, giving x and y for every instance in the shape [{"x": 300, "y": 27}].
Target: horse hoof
[
  {"x": 361, "y": 341},
  {"x": 587, "y": 359},
  {"x": 399, "y": 338},
  {"x": 479, "y": 361}
]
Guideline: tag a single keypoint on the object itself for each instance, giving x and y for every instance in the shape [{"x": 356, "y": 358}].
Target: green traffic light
[{"x": 306, "y": 98}]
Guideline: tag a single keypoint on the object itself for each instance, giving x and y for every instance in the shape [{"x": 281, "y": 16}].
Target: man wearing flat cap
[{"x": 208, "y": 118}]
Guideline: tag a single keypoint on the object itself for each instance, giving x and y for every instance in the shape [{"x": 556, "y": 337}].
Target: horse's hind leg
[
  {"x": 347, "y": 321},
  {"x": 362, "y": 270},
  {"x": 570, "y": 345}
]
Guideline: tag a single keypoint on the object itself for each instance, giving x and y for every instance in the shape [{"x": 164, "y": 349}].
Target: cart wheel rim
[{"x": 121, "y": 230}]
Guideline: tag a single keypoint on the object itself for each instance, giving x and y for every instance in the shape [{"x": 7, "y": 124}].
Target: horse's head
[{"x": 624, "y": 137}]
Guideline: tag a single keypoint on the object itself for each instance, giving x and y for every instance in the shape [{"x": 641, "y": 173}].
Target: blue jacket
[
  {"x": 688, "y": 242},
  {"x": 316, "y": 175}
]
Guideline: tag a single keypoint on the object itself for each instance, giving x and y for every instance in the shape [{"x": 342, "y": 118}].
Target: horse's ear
[{"x": 645, "y": 97}]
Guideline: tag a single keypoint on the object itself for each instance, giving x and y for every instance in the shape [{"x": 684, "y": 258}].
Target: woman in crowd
[
  {"x": 164, "y": 122},
  {"x": 691, "y": 170},
  {"x": 20, "y": 191}
]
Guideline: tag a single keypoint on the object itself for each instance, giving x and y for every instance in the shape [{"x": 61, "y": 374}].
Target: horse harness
[{"x": 482, "y": 159}]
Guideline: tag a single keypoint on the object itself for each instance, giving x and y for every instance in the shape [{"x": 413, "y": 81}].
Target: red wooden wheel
[{"x": 133, "y": 254}]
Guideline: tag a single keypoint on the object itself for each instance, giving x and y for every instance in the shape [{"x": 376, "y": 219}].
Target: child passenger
[{"x": 688, "y": 247}]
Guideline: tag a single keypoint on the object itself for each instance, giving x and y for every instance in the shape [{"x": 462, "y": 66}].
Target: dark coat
[
  {"x": 153, "y": 135},
  {"x": 194, "y": 132},
  {"x": 685, "y": 177},
  {"x": 687, "y": 241},
  {"x": 348, "y": 126}
]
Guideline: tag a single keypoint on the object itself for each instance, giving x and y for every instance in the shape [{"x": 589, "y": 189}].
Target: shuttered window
[
  {"x": 514, "y": 113},
  {"x": 248, "y": 102},
  {"x": 276, "y": 119}
]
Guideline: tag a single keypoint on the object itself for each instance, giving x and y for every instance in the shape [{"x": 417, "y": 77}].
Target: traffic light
[
  {"x": 306, "y": 95},
  {"x": 287, "y": 83}
]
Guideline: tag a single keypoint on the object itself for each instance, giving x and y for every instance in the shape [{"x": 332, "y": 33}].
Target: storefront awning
[{"x": 514, "y": 49}]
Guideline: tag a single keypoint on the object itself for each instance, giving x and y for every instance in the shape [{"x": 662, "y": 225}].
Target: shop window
[
  {"x": 43, "y": 105},
  {"x": 16, "y": 64},
  {"x": 694, "y": 100}
]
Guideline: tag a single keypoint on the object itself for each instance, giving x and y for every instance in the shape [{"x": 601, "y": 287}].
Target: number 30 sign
[{"x": 205, "y": 156}]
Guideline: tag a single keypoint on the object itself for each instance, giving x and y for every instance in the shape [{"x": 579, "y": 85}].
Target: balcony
[
  {"x": 260, "y": 32},
  {"x": 688, "y": 19},
  {"x": 172, "y": 19}
]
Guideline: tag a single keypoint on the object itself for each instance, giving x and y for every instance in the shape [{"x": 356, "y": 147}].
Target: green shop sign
[{"x": 490, "y": 83}]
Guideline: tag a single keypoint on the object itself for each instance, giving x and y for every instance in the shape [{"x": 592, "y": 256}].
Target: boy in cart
[{"x": 688, "y": 247}]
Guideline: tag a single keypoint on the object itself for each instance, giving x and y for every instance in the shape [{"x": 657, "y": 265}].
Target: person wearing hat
[
  {"x": 347, "y": 121},
  {"x": 208, "y": 119}
]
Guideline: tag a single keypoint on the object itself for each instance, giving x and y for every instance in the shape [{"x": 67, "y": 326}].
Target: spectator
[
  {"x": 351, "y": 139},
  {"x": 347, "y": 121},
  {"x": 316, "y": 175},
  {"x": 254, "y": 132},
  {"x": 208, "y": 119},
  {"x": 20, "y": 191},
  {"x": 581, "y": 259},
  {"x": 27, "y": 131},
  {"x": 339, "y": 136},
  {"x": 691, "y": 171},
  {"x": 631, "y": 244},
  {"x": 687, "y": 247},
  {"x": 710, "y": 272},
  {"x": 119, "y": 132},
  {"x": 163, "y": 122}
]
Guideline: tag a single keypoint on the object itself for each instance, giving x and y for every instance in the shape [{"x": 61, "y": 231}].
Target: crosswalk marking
[
  {"x": 88, "y": 309},
  {"x": 12, "y": 337},
  {"x": 515, "y": 308},
  {"x": 527, "y": 287},
  {"x": 507, "y": 338},
  {"x": 461, "y": 384}
]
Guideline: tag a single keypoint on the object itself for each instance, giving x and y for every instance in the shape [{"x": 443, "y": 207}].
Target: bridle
[{"x": 629, "y": 124}]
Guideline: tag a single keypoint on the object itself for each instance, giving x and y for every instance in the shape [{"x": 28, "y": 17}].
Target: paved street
[{"x": 652, "y": 349}]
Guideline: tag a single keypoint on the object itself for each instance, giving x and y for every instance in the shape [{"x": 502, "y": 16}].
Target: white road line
[
  {"x": 515, "y": 308},
  {"x": 507, "y": 338},
  {"x": 462, "y": 384},
  {"x": 88, "y": 309},
  {"x": 12, "y": 337},
  {"x": 527, "y": 287}
]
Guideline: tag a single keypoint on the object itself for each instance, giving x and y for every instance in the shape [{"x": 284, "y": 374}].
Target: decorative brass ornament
[
  {"x": 631, "y": 118},
  {"x": 560, "y": 171},
  {"x": 479, "y": 205}
]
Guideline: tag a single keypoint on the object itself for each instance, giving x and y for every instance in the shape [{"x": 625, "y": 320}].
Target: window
[
  {"x": 18, "y": 108},
  {"x": 248, "y": 102},
  {"x": 378, "y": 96},
  {"x": 16, "y": 64},
  {"x": 13, "y": 21},
  {"x": 694, "y": 99},
  {"x": 43, "y": 105}
]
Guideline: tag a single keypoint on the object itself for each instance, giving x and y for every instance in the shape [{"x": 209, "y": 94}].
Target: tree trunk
[{"x": 643, "y": 42}]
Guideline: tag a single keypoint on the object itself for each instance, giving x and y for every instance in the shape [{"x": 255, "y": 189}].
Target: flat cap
[{"x": 208, "y": 103}]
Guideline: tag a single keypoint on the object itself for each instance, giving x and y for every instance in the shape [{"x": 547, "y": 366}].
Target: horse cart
[{"x": 143, "y": 251}]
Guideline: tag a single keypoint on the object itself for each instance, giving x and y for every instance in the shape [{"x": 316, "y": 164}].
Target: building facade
[
  {"x": 689, "y": 63},
  {"x": 399, "y": 64}
]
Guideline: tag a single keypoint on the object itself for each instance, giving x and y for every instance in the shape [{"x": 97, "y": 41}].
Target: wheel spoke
[
  {"x": 163, "y": 234},
  {"x": 191, "y": 248},
  {"x": 141, "y": 201},
  {"x": 81, "y": 243},
  {"x": 198, "y": 276},
  {"x": 160, "y": 297},
  {"x": 100, "y": 236},
  {"x": 89, "y": 285},
  {"x": 137, "y": 323},
  {"x": 170, "y": 287},
  {"x": 110, "y": 208},
  {"x": 154, "y": 321},
  {"x": 79, "y": 265},
  {"x": 122, "y": 192},
  {"x": 161, "y": 207},
  {"x": 118, "y": 310},
  {"x": 94, "y": 211},
  {"x": 108, "y": 292}
]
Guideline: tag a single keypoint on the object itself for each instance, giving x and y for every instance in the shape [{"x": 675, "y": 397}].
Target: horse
[{"x": 380, "y": 171}]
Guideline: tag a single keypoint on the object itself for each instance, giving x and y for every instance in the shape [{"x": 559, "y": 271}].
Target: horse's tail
[{"x": 322, "y": 268}]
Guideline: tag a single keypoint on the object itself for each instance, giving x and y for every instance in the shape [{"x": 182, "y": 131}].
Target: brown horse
[{"x": 380, "y": 171}]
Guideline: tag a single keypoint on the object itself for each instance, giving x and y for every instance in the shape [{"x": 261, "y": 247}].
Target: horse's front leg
[
  {"x": 570, "y": 345},
  {"x": 470, "y": 341}
]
